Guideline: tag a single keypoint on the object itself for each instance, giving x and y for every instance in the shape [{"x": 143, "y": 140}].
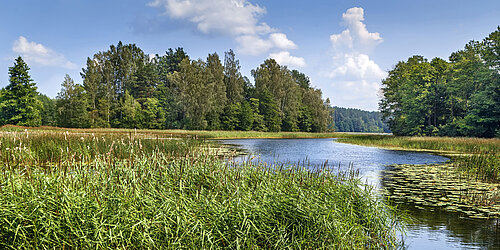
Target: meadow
[{"x": 63, "y": 188}]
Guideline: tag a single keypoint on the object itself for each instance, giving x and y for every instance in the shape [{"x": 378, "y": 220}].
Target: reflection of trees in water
[
  {"x": 469, "y": 231},
  {"x": 476, "y": 232}
]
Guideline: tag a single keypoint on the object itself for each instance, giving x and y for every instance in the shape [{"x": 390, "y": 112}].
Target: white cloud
[
  {"x": 36, "y": 53},
  {"x": 355, "y": 77},
  {"x": 233, "y": 17},
  {"x": 356, "y": 67},
  {"x": 252, "y": 45},
  {"x": 238, "y": 19},
  {"x": 284, "y": 58},
  {"x": 280, "y": 41},
  {"x": 356, "y": 36},
  {"x": 256, "y": 45}
]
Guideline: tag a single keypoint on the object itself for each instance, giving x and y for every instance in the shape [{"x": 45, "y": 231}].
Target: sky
[{"x": 346, "y": 47}]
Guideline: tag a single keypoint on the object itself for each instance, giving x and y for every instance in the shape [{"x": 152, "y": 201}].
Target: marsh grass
[
  {"x": 118, "y": 190},
  {"x": 29, "y": 148},
  {"x": 443, "y": 144},
  {"x": 481, "y": 166},
  {"x": 216, "y": 134}
]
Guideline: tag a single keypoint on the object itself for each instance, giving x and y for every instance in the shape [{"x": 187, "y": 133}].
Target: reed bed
[
  {"x": 443, "y": 144},
  {"x": 44, "y": 149},
  {"x": 481, "y": 166},
  {"x": 215, "y": 134},
  {"x": 73, "y": 190}
]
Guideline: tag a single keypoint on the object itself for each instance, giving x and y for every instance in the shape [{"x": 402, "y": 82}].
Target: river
[{"x": 430, "y": 230}]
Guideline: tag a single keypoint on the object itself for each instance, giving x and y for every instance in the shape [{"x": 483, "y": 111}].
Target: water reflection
[
  {"x": 442, "y": 230},
  {"x": 431, "y": 230}
]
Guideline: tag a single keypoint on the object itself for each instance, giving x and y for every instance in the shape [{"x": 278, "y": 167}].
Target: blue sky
[{"x": 345, "y": 47}]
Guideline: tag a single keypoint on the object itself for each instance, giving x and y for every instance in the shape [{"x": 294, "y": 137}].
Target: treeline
[
  {"x": 456, "y": 98},
  {"x": 356, "y": 120},
  {"x": 125, "y": 88}
]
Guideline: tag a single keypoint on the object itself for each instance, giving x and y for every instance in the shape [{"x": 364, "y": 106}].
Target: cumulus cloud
[
  {"x": 355, "y": 77},
  {"x": 238, "y": 19},
  {"x": 35, "y": 53},
  {"x": 356, "y": 36},
  {"x": 356, "y": 67},
  {"x": 280, "y": 41},
  {"x": 284, "y": 58},
  {"x": 233, "y": 17},
  {"x": 256, "y": 45}
]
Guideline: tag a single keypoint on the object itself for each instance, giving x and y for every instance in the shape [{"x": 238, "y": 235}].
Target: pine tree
[{"x": 19, "y": 104}]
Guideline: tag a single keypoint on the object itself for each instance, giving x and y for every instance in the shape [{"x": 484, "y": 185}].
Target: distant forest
[
  {"x": 356, "y": 120},
  {"x": 125, "y": 88},
  {"x": 459, "y": 97}
]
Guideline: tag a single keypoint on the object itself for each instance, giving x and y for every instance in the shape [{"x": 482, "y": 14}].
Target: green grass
[
  {"x": 216, "y": 134},
  {"x": 129, "y": 189},
  {"x": 444, "y": 144}
]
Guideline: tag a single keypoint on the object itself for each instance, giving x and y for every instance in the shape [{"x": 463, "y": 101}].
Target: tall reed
[{"x": 115, "y": 198}]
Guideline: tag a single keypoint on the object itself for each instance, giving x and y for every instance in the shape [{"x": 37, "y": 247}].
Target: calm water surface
[{"x": 432, "y": 230}]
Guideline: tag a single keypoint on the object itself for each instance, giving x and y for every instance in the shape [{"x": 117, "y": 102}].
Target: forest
[
  {"x": 459, "y": 97},
  {"x": 356, "y": 120},
  {"x": 125, "y": 88}
]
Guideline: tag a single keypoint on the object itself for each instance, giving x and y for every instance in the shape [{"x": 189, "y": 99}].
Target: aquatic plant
[{"x": 442, "y": 187}]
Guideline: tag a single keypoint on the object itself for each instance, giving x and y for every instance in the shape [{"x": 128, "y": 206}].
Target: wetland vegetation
[{"x": 122, "y": 188}]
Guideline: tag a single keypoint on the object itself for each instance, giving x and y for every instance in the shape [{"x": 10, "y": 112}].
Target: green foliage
[
  {"x": 121, "y": 190},
  {"x": 131, "y": 111},
  {"x": 19, "y": 104},
  {"x": 270, "y": 112},
  {"x": 125, "y": 88},
  {"x": 151, "y": 115},
  {"x": 72, "y": 105},
  {"x": 230, "y": 117},
  {"x": 356, "y": 120},
  {"x": 49, "y": 111},
  {"x": 232, "y": 78},
  {"x": 456, "y": 98},
  {"x": 246, "y": 116}
]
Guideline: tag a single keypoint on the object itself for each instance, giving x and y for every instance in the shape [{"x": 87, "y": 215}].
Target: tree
[
  {"x": 232, "y": 78},
  {"x": 131, "y": 110},
  {"x": 151, "y": 115},
  {"x": 107, "y": 77},
  {"x": 71, "y": 105},
  {"x": 217, "y": 89},
  {"x": 268, "y": 107},
  {"x": 19, "y": 104},
  {"x": 456, "y": 98},
  {"x": 48, "y": 112},
  {"x": 246, "y": 116},
  {"x": 483, "y": 118},
  {"x": 194, "y": 94},
  {"x": 168, "y": 93}
]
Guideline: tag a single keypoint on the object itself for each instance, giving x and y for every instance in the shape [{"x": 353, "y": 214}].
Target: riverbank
[
  {"x": 154, "y": 189},
  {"x": 469, "y": 185}
]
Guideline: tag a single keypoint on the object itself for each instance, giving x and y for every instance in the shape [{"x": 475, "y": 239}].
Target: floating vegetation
[{"x": 442, "y": 186}]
